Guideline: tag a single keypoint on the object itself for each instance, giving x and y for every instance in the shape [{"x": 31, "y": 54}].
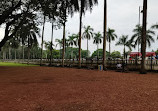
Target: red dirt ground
[{"x": 64, "y": 89}]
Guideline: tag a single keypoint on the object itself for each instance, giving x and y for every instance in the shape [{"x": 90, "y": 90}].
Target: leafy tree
[
  {"x": 84, "y": 53},
  {"x": 56, "y": 54},
  {"x": 14, "y": 15},
  {"x": 110, "y": 37},
  {"x": 116, "y": 54},
  {"x": 95, "y": 53}
]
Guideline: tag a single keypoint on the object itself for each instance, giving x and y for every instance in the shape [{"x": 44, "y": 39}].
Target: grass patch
[{"x": 14, "y": 64}]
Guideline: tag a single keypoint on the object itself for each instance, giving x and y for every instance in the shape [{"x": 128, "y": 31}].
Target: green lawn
[{"x": 14, "y": 64}]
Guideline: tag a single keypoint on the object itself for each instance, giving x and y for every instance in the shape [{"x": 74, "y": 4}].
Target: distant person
[{"x": 119, "y": 66}]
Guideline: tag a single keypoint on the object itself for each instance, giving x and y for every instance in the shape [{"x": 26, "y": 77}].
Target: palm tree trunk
[
  {"x": 51, "y": 45},
  {"x": 15, "y": 54},
  {"x": 124, "y": 52},
  {"x": 104, "y": 40},
  {"x": 97, "y": 50},
  {"x": 87, "y": 47},
  {"x": 4, "y": 55},
  {"x": 109, "y": 48},
  {"x": 42, "y": 40},
  {"x": 28, "y": 54},
  {"x": 80, "y": 32},
  {"x": 63, "y": 54},
  {"x": 143, "y": 41},
  {"x": 9, "y": 54},
  {"x": 23, "y": 52},
  {"x": 28, "y": 51},
  {"x": 97, "y": 53},
  {"x": 22, "y": 49},
  {"x": 60, "y": 52},
  {"x": 72, "y": 52}
]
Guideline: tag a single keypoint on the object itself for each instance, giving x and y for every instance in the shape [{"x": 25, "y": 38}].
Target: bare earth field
[{"x": 64, "y": 89}]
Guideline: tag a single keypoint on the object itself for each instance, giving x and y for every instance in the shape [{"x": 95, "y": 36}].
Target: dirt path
[{"x": 62, "y": 89}]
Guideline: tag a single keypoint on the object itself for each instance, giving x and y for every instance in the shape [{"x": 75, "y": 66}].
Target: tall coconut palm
[
  {"x": 110, "y": 37},
  {"x": 155, "y": 27},
  {"x": 143, "y": 40},
  {"x": 72, "y": 42},
  {"x": 136, "y": 38},
  {"x": 49, "y": 47},
  {"x": 76, "y": 37},
  {"x": 44, "y": 20},
  {"x": 87, "y": 34},
  {"x": 15, "y": 42},
  {"x": 32, "y": 41},
  {"x": 104, "y": 36},
  {"x": 97, "y": 40},
  {"x": 66, "y": 7},
  {"x": 50, "y": 10},
  {"x": 51, "y": 44},
  {"x": 60, "y": 43},
  {"x": 84, "y": 5},
  {"x": 123, "y": 41}
]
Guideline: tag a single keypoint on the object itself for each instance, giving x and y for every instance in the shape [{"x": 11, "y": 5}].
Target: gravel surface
[{"x": 64, "y": 89}]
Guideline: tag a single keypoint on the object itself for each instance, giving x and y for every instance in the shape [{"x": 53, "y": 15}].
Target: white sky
[{"x": 122, "y": 16}]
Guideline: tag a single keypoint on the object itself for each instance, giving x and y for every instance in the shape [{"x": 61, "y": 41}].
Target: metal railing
[{"x": 111, "y": 64}]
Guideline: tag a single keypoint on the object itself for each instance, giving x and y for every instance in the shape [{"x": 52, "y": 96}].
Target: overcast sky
[{"x": 122, "y": 16}]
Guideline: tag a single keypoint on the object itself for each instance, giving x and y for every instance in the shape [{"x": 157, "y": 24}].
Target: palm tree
[
  {"x": 51, "y": 44},
  {"x": 32, "y": 41},
  {"x": 44, "y": 20},
  {"x": 60, "y": 43},
  {"x": 66, "y": 7},
  {"x": 15, "y": 42},
  {"x": 76, "y": 38},
  {"x": 104, "y": 36},
  {"x": 110, "y": 37},
  {"x": 51, "y": 10},
  {"x": 5, "y": 48},
  {"x": 87, "y": 34},
  {"x": 97, "y": 40},
  {"x": 143, "y": 40},
  {"x": 48, "y": 46},
  {"x": 136, "y": 38},
  {"x": 72, "y": 42},
  {"x": 123, "y": 40},
  {"x": 84, "y": 5},
  {"x": 155, "y": 27}
]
